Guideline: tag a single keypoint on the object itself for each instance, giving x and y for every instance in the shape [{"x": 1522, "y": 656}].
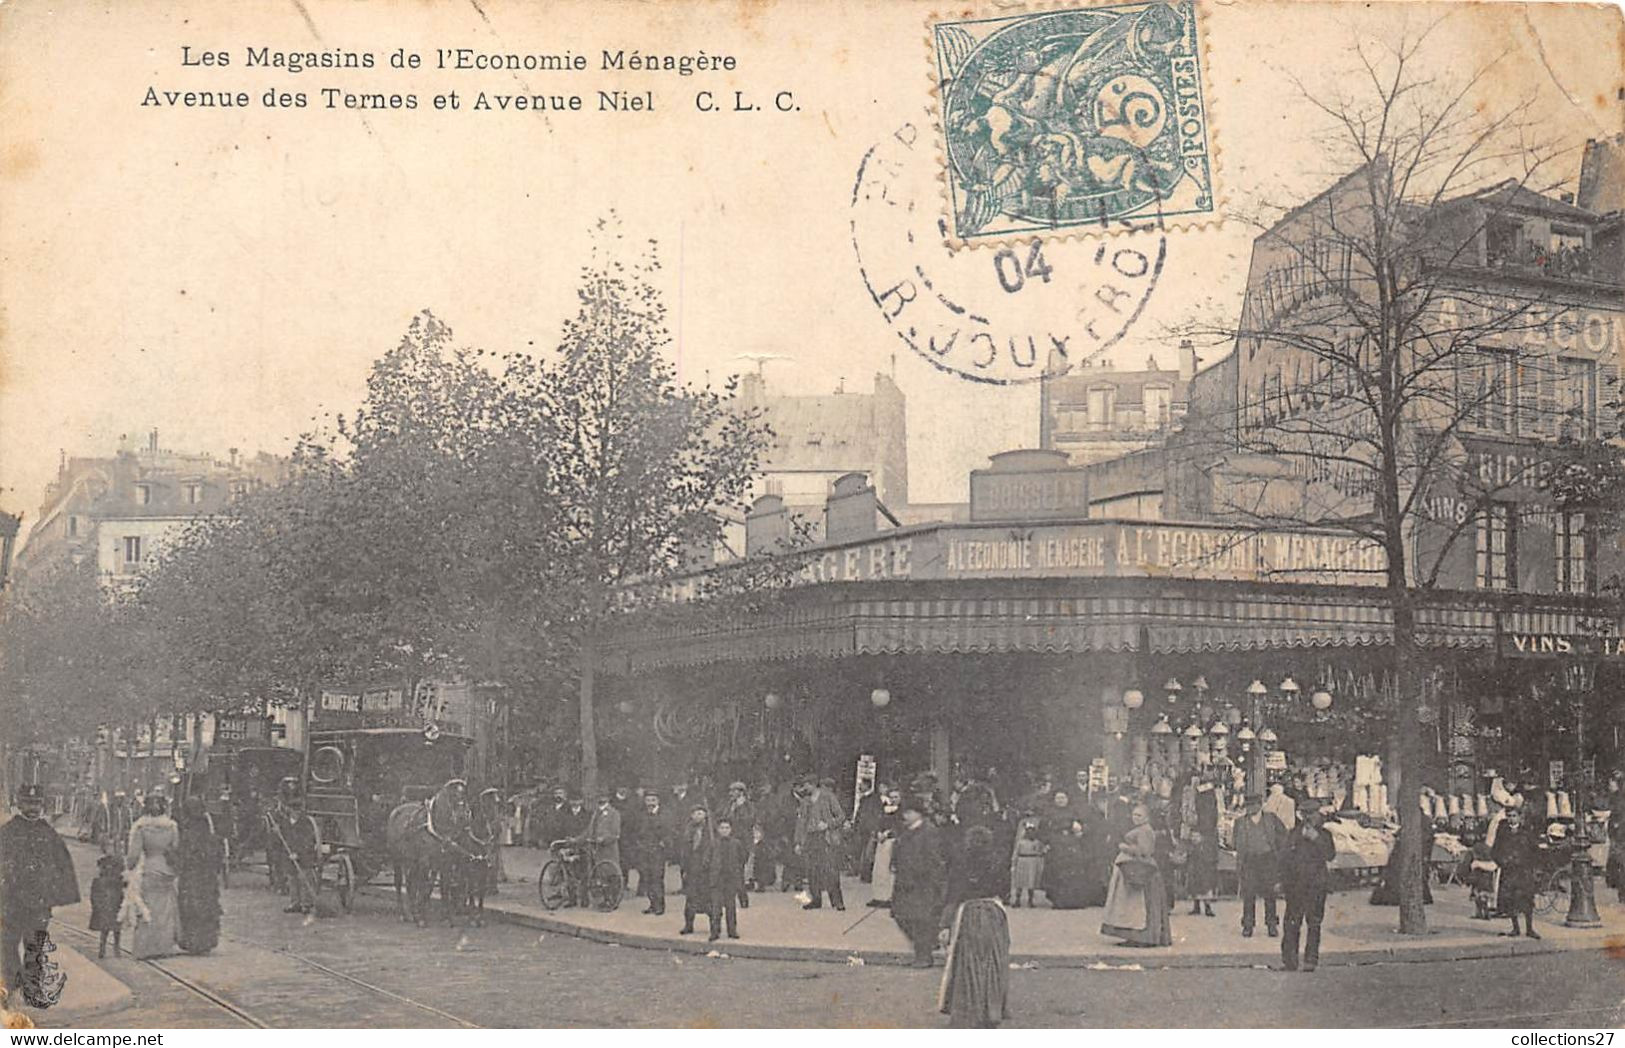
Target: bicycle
[{"x": 574, "y": 872}]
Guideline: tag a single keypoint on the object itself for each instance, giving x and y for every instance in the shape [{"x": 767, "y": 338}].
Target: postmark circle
[{"x": 1003, "y": 313}]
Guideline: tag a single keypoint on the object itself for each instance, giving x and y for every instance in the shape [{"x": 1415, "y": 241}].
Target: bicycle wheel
[
  {"x": 553, "y": 885},
  {"x": 605, "y": 885}
]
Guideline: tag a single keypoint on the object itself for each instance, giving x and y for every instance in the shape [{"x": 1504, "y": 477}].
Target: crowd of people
[
  {"x": 946, "y": 861},
  {"x": 928, "y": 850}
]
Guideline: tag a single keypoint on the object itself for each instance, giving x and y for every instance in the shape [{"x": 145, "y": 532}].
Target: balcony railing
[{"x": 1564, "y": 263}]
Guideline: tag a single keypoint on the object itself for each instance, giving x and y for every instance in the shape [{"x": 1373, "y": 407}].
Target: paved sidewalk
[
  {"x": 89, "y": 991},
  {"x": 776, "y": 927}
]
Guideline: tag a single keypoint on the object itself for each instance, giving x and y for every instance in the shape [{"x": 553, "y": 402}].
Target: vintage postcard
[{"x": 812, "y": 514}]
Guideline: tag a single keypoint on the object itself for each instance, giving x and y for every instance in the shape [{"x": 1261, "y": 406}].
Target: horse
[
  {"x": 427, "y": 839},
  {"x": 479, "y": 873}
]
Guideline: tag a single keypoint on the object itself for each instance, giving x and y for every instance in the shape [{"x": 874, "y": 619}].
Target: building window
[
  {"x": 73, "y": 526},
  {"x": 1490, "y": 392},
  {"x": 1501, "y": 242},
  {"x": 1158, "y": 406},
  {"x": 1102, "y": 407},
  {"x": 1573, "y": 555},
  {"x": 1497, "y": 547},
  {"x": 1577, "y": 397},
  {"x": 194, "y": 493},
  {"x": 143, "y": 494},
  {"x": 132, "y": 550},
  {"x": 239, "y": 488}
]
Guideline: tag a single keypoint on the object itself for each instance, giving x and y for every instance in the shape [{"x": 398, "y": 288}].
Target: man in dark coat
[
  {"x": 650, "y": 845},
  {"x": 572, "y": 820},
  {"x": 1258, "y": 836},
  {"x": 698, "y": 857},
  {"x": 1517, "y": 853},
  {"x": 922, "y": 882},
  {"x": 548, "y": 821},
  {"x": 742, "y": 818},
  {"x": 820, "y": 825},
  {"x": 1303, "y": 881},
  {"x": 36, "y": 875}
]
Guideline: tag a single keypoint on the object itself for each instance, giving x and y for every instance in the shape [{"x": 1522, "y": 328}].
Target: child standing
[
  {"x": 106, "y": 894},
  {"x": 1026, "y": 864},
  {"x": 730, "y": 878}
]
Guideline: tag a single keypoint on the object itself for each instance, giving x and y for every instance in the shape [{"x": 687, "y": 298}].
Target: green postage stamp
[{"x": 1073, "y": 119}]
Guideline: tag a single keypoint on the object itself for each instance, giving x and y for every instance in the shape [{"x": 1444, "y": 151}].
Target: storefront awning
[{"x": 1231, "y": 621}]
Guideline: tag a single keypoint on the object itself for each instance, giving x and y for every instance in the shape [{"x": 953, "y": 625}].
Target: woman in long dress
[
  {"x": 881, "y": 877},
  {"x": 198, "y": 887},
  {"x": 1066, "y": 874},
  {"x": 151, "y": 913},
  {"x": 975, "y": 985},
  {"x": 1137, "y": 898}
]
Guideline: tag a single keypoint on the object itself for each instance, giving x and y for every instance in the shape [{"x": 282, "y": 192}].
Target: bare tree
[{"x": 1384, "y": 346}]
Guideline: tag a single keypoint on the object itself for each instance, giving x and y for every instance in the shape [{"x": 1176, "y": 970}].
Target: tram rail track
[
  {"x": 248, "y": 1018},
  {"x": 225, "y": 1005}
]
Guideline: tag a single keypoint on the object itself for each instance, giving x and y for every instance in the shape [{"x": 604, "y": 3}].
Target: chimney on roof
[
  {"x": 233, "y": 453},
  {"x": 852, "y": 510},
  {"x": 152, "y": 441},
  {"x": 1150, "y": 362},
  {"x": 767, "y": 526},
  {"x": 1187, "y": 359}
]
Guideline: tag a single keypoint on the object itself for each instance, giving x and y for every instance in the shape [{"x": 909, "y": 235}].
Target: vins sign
[{"x": 1541, "y": 645}]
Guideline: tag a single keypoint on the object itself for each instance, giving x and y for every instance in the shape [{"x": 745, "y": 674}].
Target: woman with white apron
[{"x": 881, "y": 877}]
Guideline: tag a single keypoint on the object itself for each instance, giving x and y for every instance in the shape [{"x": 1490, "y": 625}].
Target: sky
[{"x": 227, "y": 276}]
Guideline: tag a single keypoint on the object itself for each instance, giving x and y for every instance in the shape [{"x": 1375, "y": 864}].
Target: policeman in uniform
[{"x": 36, "y": 875}]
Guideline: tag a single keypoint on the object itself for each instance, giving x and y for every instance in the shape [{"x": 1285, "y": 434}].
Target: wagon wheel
[
  {"x": 344, "y": 880},
  {"x": 604, "y": 886},
  {"x": 553, "y": 885}
]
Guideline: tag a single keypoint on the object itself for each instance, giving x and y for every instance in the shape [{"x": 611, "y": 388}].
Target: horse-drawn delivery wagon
[{"x": 355, "y": 778}]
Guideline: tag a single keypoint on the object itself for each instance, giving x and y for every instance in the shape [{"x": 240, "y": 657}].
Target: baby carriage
[{"x": 1483, "y": 879}]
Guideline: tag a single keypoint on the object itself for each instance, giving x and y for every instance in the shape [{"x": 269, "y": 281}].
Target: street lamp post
[
  {"x": 1257, "y": 775},
  {"x": 1581, "y": 676}
]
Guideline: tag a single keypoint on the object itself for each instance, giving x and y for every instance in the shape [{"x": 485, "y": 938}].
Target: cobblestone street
[{"x": 367, "y": 969}]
